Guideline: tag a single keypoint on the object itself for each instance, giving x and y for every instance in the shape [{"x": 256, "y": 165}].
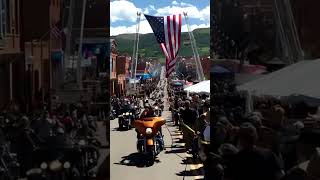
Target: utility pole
[
  {"x": 68, "y": 37},
  {"x": 137, "y": 48},
  {"x": 79, "y": 75},
  {"x": 194, "y": 49}
]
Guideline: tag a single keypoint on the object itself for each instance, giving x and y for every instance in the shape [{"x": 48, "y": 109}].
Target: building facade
[
  {"x": 123, "y": 72},
  {"x": 42, "y": 47},
  {"x": 11, "y": 58},
  {"x": 113, "y": 67}
]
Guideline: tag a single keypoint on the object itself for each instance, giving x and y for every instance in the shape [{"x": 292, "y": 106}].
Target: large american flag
[{"x": 167, "y": 30}]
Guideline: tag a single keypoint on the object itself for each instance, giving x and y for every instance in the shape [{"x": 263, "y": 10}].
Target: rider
[
  {"x": 126, "y": 107},
  {"x": 147, "y": 113}
]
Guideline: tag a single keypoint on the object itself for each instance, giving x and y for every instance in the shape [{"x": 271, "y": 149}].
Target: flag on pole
[
  {"x": 55, "y": 30},
  {"x": 167, "y": 30}
]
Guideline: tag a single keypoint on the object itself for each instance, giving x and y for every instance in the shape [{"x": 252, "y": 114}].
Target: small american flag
[
  {"x": 167, "y": 30},
  {"x": 55, "y": 30}
]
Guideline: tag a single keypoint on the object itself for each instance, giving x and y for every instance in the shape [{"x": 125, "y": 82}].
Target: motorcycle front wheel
[{"x": 150, "y": 157}]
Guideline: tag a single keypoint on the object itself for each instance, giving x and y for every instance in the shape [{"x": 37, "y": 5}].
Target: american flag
[
  {"x": 55, "y": 30},
  {"x": 167, "y": 30}
]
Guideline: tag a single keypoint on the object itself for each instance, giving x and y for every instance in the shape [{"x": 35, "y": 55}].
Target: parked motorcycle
[
  {"x": 125, "y": 120},
  {"x": 150, "y": 141}
]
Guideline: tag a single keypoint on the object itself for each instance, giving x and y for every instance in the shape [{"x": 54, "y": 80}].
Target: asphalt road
[{"x": 172, "y": 164}]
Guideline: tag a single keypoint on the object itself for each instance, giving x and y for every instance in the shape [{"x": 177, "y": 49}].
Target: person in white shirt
[{"x": 206, "y": 132}]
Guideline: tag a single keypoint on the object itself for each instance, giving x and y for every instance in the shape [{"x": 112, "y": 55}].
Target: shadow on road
[
  {"x": 178, "y": 141},
  {"x": 177, "y": 146},
  {"x": 193, "y": 172},
  {"x": 190, "y": 160},
  {"x": 121, "y": 130},
  {"x": 179, "y": 150},
  {"x": 134, "y": 159}
]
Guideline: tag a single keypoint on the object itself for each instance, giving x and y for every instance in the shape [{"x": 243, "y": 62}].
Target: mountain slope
[{"x": 149, "y": 47}]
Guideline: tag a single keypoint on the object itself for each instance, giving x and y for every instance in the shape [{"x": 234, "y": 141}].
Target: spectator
[
  {"x": 251, "y": 162},
  {"x": 189, "y": 117}
]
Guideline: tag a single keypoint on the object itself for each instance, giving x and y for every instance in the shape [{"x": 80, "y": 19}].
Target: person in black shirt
[
  {"x": 251, "y": 162},
  {"x": 189, "y": 117}
]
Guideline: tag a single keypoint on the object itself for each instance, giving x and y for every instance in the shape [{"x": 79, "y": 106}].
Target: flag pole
[
  {"x": 79, "y": 76},
  {"x": 137, "y": 48},
  {"x": 194, "y": 50}
]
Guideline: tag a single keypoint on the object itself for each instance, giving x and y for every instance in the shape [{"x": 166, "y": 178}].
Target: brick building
[
  {"x": 113, "y": 67},
  {"x": 205, "y": 62},
  {"x": 123, "y": 72},
  {"x": 40, "y": 44},
  {"x": 11, "y": 58}
]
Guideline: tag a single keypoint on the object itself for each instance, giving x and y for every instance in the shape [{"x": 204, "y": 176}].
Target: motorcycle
[
  {"x": 57, "y": 164},
  {"x": 157, "y": 111},
  {"x": 125, "y": 120},
  {"x": 9, "y": 166},
  {"x": 113, "y": 115},
  {"x": 137, "y": 110},
  {"x": 150, "y": 140},
  {"x": 74, "y": 161}
]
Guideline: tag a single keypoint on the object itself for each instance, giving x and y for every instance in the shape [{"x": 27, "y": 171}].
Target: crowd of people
[
  {"x": 192, "y": 114},
  {"x": 267, "y": 143}
]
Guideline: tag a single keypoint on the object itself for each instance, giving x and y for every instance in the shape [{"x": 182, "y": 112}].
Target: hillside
[{"x": 149, "y": 47}]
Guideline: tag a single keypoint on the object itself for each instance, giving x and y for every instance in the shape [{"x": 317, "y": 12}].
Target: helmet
[{"x": 147, "y": 106}]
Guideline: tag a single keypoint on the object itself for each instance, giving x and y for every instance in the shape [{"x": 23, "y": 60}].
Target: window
[
  {"x": 3, "y": 18},
  {"x": 7, "y": 11}
]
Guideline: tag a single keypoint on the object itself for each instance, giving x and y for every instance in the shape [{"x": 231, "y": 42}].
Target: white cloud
[
  {"x": 193, "y": 11},
  {"x": 186, "y": 4},
  {"x": 145, "y": 28},
  {"x": 146, "y": 11},
  {"x": 174, "y": 3},
  {"x": 152, "y": 7},
  {"x": 123, "y": 11}
]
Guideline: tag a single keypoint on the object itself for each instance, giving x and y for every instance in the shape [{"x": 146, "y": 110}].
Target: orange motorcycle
[{"x": 150, "y": 140}]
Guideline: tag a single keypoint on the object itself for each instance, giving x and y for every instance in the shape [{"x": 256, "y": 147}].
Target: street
[{"x": 172, "y": 163}]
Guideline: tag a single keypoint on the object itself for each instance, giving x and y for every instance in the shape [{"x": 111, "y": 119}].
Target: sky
[{"x": 123, "y": 14}]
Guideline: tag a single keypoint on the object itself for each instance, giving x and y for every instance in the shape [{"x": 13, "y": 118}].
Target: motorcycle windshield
[{"x": 154, "y": 123}]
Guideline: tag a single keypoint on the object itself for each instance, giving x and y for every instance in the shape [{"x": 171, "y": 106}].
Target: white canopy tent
[
  {"x": 201, "y": 87},
  {"x": 301, "y": 78}
]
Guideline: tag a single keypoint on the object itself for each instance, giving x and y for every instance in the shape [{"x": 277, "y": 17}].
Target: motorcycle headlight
[
  {"x": 156, "y": 108},
  {"x": 127, "y": 114},
  {"x": 44, "y": 165},
  {"x": 123, "y": 114},
  {"x": 82, "y": 142},
  {"x": 130, "y": 114},
  {"x": 91, "y": 160},
  {"x": 66, "y": 165},
  {"x": 136, "y": 107},
  {"x": 55, "y": 165},
  {"x": 33, "y": 171},
  {"x": 148, "y": 131}
]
